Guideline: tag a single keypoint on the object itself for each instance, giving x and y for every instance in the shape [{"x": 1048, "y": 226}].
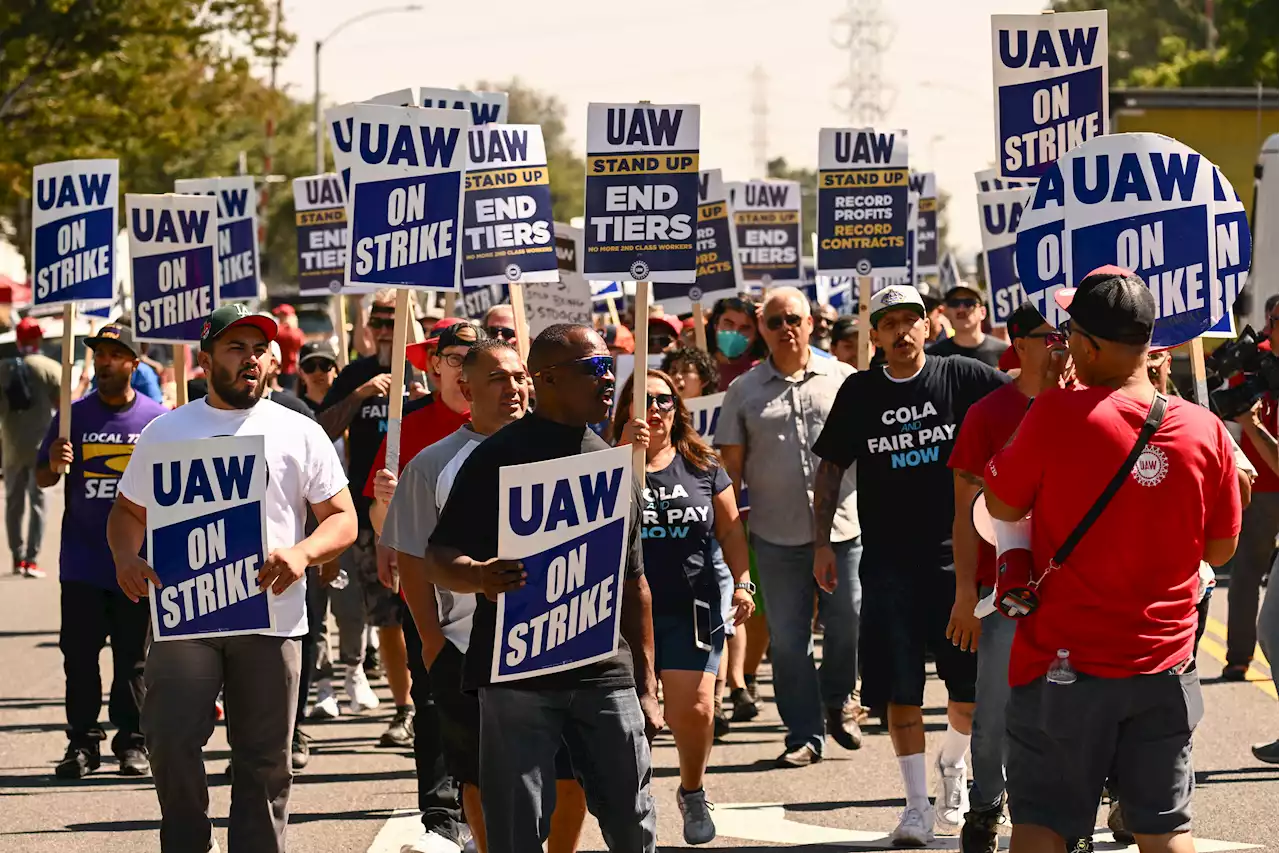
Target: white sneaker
[
  {"x": 326, "y": 706},
  {"x": 359, "y": 693},
  {"x": 430, "y": 842},
  {"x": 915, "y": 828},
  {"x": 952, "y": 801}
]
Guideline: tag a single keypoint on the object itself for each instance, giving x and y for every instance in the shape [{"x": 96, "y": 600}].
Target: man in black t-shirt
[
  {"x": 964, "y": 308},
  {"x": 605, "y": 712},
  {"x": 898, "y": 423}
]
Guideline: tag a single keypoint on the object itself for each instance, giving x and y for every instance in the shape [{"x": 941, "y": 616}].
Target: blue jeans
[
  {"x": 520, "y": 733},
  {"x": 987, "y": 746},
  {"x": 801, "y": 690}
]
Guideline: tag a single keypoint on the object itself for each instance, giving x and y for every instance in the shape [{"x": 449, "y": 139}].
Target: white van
[{"x": 1264, "y": 271}]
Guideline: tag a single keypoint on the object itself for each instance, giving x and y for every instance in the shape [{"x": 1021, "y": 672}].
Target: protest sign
[
  {"x": 567, "y": 300},
  {"x": 406, "y": 196},
  {"x": 1139, "y": 200},
  {"x": 567, "y": 520},
  {"x": 173, "y": 255},
  {"x": 998, "y": 216},
  {"x": 949, "y": 273},
  {"x": 1050, "y": 87},
  {"x": 321, "y": 216},
  {"x": 913, "y": 245},
  {"x": 925, "y": 184},
  {"x": 507, "y": 232},
  {"x": 766, "y": 222},
  {"x": 73, "y": 231},
  {"x": 704, "y": 412},
  {"x": 718, "y": 273},
  {"x": 478, "y": 299},
  {"x": 483, "y": 107},
  {"x": 206, "y": 536},
  {"x": 862, "y": 202},
  {"x": 989, "y": 180},
  {"x": 1234, "y": 246},
  {"x": 602, "y": 290},
  {"x": 641, "y": 192},
  {"x": 237, "y": 232},
  {"x": 339, "y": 120}
]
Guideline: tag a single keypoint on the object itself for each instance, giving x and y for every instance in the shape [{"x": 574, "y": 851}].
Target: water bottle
[
  {"x": 340, "y": 582},
  {"x": 1060, "y": 671}
]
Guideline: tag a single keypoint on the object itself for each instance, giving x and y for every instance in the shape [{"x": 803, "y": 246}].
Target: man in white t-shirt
[{"x": 257, "y": 673}]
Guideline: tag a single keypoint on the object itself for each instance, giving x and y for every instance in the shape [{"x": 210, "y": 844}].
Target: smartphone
[{"x": 702, "y": 625}]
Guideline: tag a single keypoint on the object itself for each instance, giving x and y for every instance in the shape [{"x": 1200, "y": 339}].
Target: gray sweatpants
[
  {"x": 20, "y": 489},
  {"x": 258, "y": 676},
  {"x": 1250, "y": 563},
  {"x": 1269, "y": 625}
]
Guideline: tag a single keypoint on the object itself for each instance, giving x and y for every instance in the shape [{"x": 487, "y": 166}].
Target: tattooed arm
[{"x": 826, "y": 497}]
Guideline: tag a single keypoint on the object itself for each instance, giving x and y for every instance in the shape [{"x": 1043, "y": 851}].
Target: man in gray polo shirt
[{"x": 771, "y": 416}]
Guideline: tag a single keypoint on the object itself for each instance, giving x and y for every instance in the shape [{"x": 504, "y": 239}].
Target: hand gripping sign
[
  {"x": 483, "y": 107},
  {"x": 1141, "y": 201},
  {"x": 237, "y": 232},
  {"x": 642, "y": 192},
  {"x": 925, "y": 184},
  {"x": 206, "y": 536},
  {"x": 719, "y": 274},
  {"x": 998, "y": 215},
  {"x": 862, "y": 202},
  {"x": 73, "y": 219},
  {"x": 766, "y": 222},
  {"x": 320, "y": 207},
  {"x": 1050, "y": 87},
  {"x": 406, "y": 196},
  {"x": 567, "y": 520},
  {"x": 173, "y": 255}
]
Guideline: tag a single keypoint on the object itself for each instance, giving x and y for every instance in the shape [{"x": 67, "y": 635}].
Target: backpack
[{"x": 18, "y": 389}]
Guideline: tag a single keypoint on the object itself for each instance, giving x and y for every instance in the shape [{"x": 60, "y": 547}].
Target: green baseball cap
[{"x": 235, "y": 314}]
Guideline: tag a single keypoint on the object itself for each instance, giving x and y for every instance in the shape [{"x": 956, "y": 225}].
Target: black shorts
[
  {"x": 460, "y": 721},
  {"x": 904, "y": 614},
  {"x": 1066, "y": 740}
]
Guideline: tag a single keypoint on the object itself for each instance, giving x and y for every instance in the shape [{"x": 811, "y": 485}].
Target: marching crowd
[{"x": 830, "y": 501}]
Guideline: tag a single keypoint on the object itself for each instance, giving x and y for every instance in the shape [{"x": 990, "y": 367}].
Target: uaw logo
[
  {"x": 640, "y": 271},
  {"x": 695, "y": 294},
  {"x": 1151, "y": 468},
  {"x": 863, "y": 266},
  {"x": 513, "y": 272}
]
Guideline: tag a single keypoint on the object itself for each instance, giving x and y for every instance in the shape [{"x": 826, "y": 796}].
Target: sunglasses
[
  {"x": 598, "y": 366},
  {"x": 775, "y": 322},
  {"x": 382, "y": 323},
  {"x": 661, "y": 402},
  {"x": 962, "y": 303},
  {"x": 1068, "y": 327},
  {"x": 1051, "y": 339},
  {"x": 318, "y": 365},
  {"x": 502, "y": 332}
]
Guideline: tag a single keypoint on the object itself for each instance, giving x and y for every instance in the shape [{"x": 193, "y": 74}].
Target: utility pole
[
  {"x": 760, "y": 120},
  {"x": 863, "y": 95}
]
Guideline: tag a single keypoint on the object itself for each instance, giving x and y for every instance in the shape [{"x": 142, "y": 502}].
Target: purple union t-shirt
[{"x": 103, "y": 440}]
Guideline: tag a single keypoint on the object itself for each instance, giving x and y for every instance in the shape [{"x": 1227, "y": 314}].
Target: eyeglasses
[
  {"x": 597, "y": 366},
  {"x": 1068, "y": 327},
  {"x": 381, "y": 323},
  {"x": 962, "y": 303},
  {"x": 453, "y": 359},
  {"x": 318, "y": 365},
  {"x": 1051, "y": 339},
  {"x": 661, "y": 402},
  {"x": 502, "y": 332},
  {"x": 775, "y": 322}
]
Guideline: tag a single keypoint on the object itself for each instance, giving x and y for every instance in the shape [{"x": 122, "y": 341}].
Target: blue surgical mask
[{"x": 731, "y": 343}]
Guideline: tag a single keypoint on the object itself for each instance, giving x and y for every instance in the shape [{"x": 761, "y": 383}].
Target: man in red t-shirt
[
  {"x": 290, "y": 338},
  {"x": 1120, "y": 613},
  {"x": 985, "y": 430}
]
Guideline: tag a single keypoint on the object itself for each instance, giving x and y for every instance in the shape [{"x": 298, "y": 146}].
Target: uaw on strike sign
[
  {"x": 237, "y": 232},
  {"x": 719, "y": 275},
  {"x": 999, "y": 213},
  {"x": 567, "y": 521},
  {"x": 1144, "y": 202},
  {"x": 642, "y": 193},
  {"x": 73, "y": 233},
  {"x": 862, "y": 202},
  {"x": 173, "y": 258},
  {"x": 206, "y": 536},
  {"x": 320, "y": 210}
]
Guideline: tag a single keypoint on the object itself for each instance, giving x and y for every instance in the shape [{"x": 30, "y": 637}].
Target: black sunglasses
[
  {"x": 1052, "y": 339},
  {"x": 775, "y": 322},
  {"x": 502, "y": 332},
  {"x": 318, "y": 365},
  {"x": 598, "y": 366},
  {"x": 1068, "y": 327},
  {"x": 662, "y": 402},
  {"x": 382, "y": 322},
  {"x": 962, "y": 303}
]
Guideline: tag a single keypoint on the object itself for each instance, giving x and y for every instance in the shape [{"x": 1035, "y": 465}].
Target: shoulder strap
[{"x": 1154, "y": 417}]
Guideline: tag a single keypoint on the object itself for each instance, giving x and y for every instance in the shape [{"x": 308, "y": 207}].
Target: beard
[
  {"x": 224, "y": 383},
  {"x": 112, "y": 384}
]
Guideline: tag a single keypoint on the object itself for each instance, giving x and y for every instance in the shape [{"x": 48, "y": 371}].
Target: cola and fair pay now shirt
[
  {"x": 900, "y": 433},
  {"x": 302, "y": 469},
  {"x": 1124, "y": 603}
]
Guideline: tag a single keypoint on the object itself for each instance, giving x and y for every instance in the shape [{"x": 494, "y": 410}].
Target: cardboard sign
[
  {"x": 320, "y": 206},
  {"x": 998, "y": 216},
  {"x": 73, "y": 231},
  {"x": 718, "y": 273},
  {"x": 766, "y": 222},
  {"x": 173, "y": 255},
  {"x": 989, "y": 180},
  {"x": 925, "y": 184},
  {"x": 1050, "y": 87},
  {"x": 507, "y": 232},
  {"x": 568, "y": 521},
  {"x": 237, "y": 232},
  {"x": 483, "y": 107},
  {"x": 705, "y": 413},
  {"x": 1139, "y": 200},
  {"x": 862, "y": 202},
  {"x": 567, "y": 300},
  {"x": 1234, "y": 245},
  {"x": 206, "y": 536},
  {"x": 642, "y": 192},
  {"x": 406, "y": 197}
]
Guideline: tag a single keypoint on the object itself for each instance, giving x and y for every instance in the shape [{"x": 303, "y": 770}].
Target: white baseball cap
[{"x": 895, "y": 296}]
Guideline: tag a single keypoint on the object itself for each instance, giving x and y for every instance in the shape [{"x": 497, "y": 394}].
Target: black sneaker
[
  {"x": 1079, "y": 845},
  {"x": 1267, "y": 752},
  {"x": 842, "y": 725},
  {"x": 399, "y": 734},
  {"x": 78, "y": 763},
  {"x": 134, "y": 762},
  {"x": 744, "y": 707},
  {"x": 978, "y": 835},
  {"x": 720, "y": 723},
  {"x": 300, "y": 753},
  {"x": 372, "y": 662},
  {"x": 753, "y": 688}
]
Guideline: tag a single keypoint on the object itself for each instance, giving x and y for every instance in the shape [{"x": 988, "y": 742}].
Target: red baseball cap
[
  {"x": 440, "y": 326},
  {"x": 671, "y": 322},
  {"x": 29, "y": 329},
  {"x": 283, "y": 310}
]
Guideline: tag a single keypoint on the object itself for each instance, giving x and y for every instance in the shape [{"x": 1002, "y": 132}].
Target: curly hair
[{"x": 703, "y": 362}]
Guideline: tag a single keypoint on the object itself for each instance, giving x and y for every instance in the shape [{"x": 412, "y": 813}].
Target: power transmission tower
[
  {"x": 865, "y": 34},
  {"x": 760, "y": 120}
]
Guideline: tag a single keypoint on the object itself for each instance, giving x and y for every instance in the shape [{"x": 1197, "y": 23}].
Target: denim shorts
[{"x": 674, "y": 646}]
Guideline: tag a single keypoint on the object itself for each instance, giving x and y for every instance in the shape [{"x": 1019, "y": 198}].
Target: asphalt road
[{"x": 356, "y": 797}]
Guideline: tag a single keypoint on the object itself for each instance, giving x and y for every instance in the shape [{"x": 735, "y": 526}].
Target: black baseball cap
[
  {"x": 1024, "y": 321},
  {"x": 465, "y": 334},
  {"x": 1113, "y": 304},
  {"x": 316, "y": 349},
  {"x": 959, "y": 287},
  {"x": 235, "y": 314},
  {"x": 114, "y": 333},
  {"x": 844, "y": 327}
]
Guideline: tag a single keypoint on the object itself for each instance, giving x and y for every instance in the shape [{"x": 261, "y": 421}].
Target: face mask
[{"x": 731, "y": 343}]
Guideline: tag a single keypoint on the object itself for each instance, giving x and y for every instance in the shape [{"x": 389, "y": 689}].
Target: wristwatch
[{"x": 747, "y": 585}]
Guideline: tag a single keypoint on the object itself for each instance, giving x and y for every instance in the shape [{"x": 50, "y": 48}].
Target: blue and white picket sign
[
  {"x": 913, "y": 244},
  {"x": 173, "y": 255},
  {"x": 567, "y": 300},
  {"x": 483, "y": 107},
  {"x": 949, "y": 275},
  {"x": 237, "y": 232},
  {"x": 1139, "y": 200},
  {"x": 998, "y": 216},
  {"x": 989, "y": 180},
  {"x": 925, "y": 184},
  {"x": 862, "y": 202},
  {"x": 1234, "y": 245},
  {"x": 602, "y": 290},
  {"x": 1050, "y": 87},
  {"x": 508, "y": 231},
  {"x": 320, "y": 213},
  {"x": 206, "y": 536},
  {"x": 704, "y": 412},
  {"x": 339, "y": 120},
  {"x": 74, "y": 206},
  {"x": 476, "y": 300},
  {"x": 766, "y": 222},
  {"x": 642, "y": 192},
  {"x": 406, "y": 197},
  {"x": 719, "y": 275},
  {"x": 567, "y": 521}
]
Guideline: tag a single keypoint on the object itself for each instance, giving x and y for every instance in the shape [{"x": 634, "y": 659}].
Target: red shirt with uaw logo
[{"x": 1124, "y": 603}]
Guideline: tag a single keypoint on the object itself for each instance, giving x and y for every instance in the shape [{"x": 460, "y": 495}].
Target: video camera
[{"x": 1240, "y": 358}]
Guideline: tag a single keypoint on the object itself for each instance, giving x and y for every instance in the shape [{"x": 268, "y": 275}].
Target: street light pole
[{"x": 318, "y": 121}]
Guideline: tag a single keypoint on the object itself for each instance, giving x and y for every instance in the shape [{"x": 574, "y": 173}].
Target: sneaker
[
  {"x": 17, "y": 567},
  {"x": 978, "y": 835},
  {"x": 1079, "y": 845},
  {"x": 1268, "y": 753},
  {"x": 745, "y": 708},
  {"x": 372, "y": 662},
  {"x": 359, "y": 693},
  {"x": 952, "y": 798},
  {"x": 719, "y": 723},
  {"x": 753, "y": 688},
  {"x": 470, "y": 846},
  {"x": 78, "y": 762},
  {"x": 432, "y": 842},
  {"x": 300, "y": 752},
  {"x": 1235, "y": 672},
  {"x": 698, "y": 827},
  {"x": 134, "y": 762},
  {"x": 400, "y": 733},
  {"x": 1115, "y": 823},
  {"x": 219, "y": 710},
  {"x": 842, "y": 725},
  {"x": 801, "y": 756},
  {"x": 31, "y": 570},
  {"x": 326, "y": 706},
  {"x": 915, "y": 828}
]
